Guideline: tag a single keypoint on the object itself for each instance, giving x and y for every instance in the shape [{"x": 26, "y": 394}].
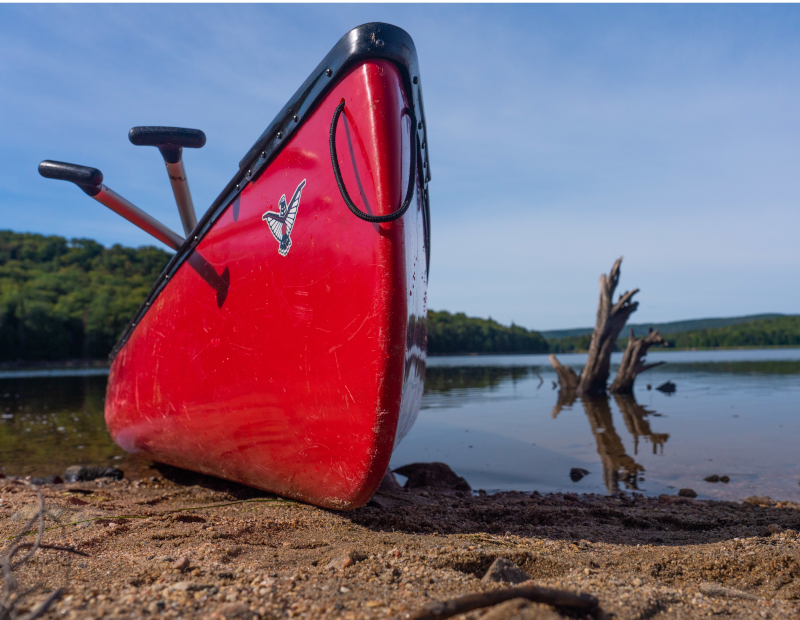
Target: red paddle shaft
[
  {"x": 90, "y": 180},
  {"x": 108, "y": 197}
]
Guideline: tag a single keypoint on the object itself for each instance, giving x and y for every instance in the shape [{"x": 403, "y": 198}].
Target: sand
[{"x": 166, "y": 543}]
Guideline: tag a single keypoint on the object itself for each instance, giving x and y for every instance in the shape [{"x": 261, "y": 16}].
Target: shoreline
[
  {"x": 101, "y": 364},
  {"x": 73, "y": 364}
]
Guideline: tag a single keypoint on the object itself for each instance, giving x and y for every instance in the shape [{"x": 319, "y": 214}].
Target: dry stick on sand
[
  {"x": 561, "y": 599},
  {"x": 10, "y": 599}
]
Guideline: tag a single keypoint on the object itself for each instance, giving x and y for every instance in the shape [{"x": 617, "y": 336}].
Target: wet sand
[{"x": 169, "y": 543}]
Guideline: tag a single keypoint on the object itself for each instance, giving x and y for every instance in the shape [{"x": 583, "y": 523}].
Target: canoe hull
[{"x": 293, "y": 361}]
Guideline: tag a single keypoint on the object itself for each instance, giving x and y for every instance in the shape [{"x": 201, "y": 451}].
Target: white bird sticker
[{"x": 281, "y": 224}]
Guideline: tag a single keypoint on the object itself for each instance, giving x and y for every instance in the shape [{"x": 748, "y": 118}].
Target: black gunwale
[{"x": 369, "y": 41}]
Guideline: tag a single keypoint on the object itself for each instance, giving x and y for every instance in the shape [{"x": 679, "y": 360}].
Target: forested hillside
[
  {"x": 783, "y": 331},
  {"x": 63, "y": 299},
  {"x": 672, "y": 327},
  {"x": 778, "y": 332},
  {"x": 458, "y": 333}
]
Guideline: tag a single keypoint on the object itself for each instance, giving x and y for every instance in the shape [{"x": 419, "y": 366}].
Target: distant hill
[
  {"x": 673, "y": 327},
  {"x": 450, "y": 334},
  {"x": 782, "y": 331}
]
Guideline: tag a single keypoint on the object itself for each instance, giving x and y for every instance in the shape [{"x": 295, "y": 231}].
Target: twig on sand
[
  {"x": 54, "y": 596},
  {"x": 9, "y": 598},
  {"x": 561, "y": 599},
  {"x": 56, "y": 548}
]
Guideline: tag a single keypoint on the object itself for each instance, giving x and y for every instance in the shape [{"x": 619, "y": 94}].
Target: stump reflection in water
[{"x": 618, "y": 466}]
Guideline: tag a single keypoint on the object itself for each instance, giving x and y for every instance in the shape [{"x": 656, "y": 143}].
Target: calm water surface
[{"x": 498, "y": 421}]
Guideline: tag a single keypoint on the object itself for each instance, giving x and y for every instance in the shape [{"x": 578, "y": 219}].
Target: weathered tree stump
[
  {"x": 633, "y": 361},
  {"x": 611, "y": 319}
]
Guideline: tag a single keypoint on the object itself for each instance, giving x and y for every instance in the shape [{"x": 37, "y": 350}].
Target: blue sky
[{"x": 561, "y": 137}]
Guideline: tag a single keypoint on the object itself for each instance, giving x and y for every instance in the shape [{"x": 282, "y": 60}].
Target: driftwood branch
[
  {"x": 567, "y": 378},
  {"x": 633, "y": 361},
  {"x": 561, "y": 599},
  {"x": 611, "y": 319}
]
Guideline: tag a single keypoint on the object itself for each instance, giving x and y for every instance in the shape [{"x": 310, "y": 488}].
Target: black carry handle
[
  {"x": 169, "y": 140},
  {"x": 88, "y": 179},
  {"x": 337, "y": 173}
]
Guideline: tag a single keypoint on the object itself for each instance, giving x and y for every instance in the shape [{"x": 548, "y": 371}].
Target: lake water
[{"x": 498, "y": 421}]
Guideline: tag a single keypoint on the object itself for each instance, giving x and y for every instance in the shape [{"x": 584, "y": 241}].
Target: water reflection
[
  {"x": 618, "y": 466},
  {"x": 734, "y": 414},
  {"x": 50, "y": 423},
  {"x": 444, "y": 379}
]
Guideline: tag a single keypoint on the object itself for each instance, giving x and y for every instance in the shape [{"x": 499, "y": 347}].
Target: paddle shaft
[
  {"x": 183, "y": 197},
  {"x": 111, "y": 199}
]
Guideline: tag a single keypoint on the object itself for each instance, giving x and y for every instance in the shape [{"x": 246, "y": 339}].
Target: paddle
[
  {"x": 90, "y": 180},
  {"x": 171, "y": 141}
]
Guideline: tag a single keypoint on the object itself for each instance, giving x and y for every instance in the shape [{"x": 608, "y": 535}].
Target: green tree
[
  {"x": 63, "y": 299},
  {"x": 458, "y": 333}
]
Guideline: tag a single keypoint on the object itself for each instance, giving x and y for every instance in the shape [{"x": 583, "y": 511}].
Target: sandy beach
[{"x": 169, "y": 543}]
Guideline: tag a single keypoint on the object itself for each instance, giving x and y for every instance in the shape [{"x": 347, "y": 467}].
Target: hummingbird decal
[{"x": 281, "y": 224}]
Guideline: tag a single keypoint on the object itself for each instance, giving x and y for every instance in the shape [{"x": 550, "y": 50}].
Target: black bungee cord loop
[{"x": 377, "y": 219}]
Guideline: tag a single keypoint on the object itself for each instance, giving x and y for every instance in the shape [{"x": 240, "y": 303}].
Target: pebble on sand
[
  {"x": 504, "y": 570},
  {"x": 434, "y": 475},
  {"x": 687, "y": 493},
  {"x": 181, "y": 564},
  {"x": 346, "y": 560},
  {"x": 86, "y": 473}
]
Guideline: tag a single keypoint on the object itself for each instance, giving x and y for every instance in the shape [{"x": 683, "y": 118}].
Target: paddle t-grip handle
[
  {"x": 170, "y": 141},
  {"x": 90, "y": 180}
]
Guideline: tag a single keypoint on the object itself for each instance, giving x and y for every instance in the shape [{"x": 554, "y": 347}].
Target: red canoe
[{"x": 284, "y": 346}]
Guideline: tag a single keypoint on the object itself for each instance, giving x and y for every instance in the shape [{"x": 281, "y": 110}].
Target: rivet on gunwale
[
  {"x": 416, "y": 80},
  {"x": 280, "y": 135},
  {"x": 263, "y": 154},
  {"x": 295, "y": 118},
  {"x": 250, "y": 172},
  {"x": 420, "y": 125},
  {"x": 328, "y": 72}
]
